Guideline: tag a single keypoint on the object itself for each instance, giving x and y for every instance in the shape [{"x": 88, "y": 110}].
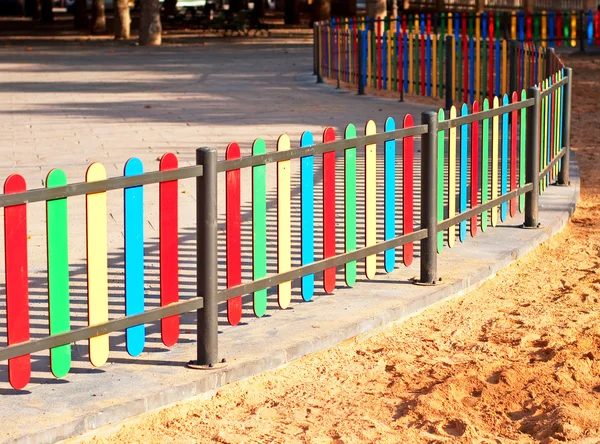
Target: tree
[
  {"x": 150, "y": 26},
  {"x": 170, "y": 8},
  {"x": 291, "y": 13},
  {"x": 343, "y": 8},
  {"x": 376, "y": 8},
  {"x": 33, "y": 9},
  {"x": 98, "y": 17},
  {"x": 237, "y": 5},
  {"x": 122, "y": 19},
  {"x": 321, "y": 10},
  {"x": 80, "y": 15},
  {"x": 259, "y": 8}
]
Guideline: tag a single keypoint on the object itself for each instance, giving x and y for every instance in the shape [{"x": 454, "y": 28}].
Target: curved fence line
[
  {"x": 471, "y": 5},
  {"x": 479, "y": 164},
  {"x": 553, "y": 28},
  {"x": 465, "y": 70}
]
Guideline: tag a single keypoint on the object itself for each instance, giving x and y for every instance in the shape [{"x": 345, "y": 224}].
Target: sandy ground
[{"x": 518, "y": 360}]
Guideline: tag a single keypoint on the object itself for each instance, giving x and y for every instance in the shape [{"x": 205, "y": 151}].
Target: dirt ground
[{"x": 518, "y": 360}]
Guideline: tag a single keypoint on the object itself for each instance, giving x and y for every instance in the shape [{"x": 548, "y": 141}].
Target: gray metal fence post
[
  {"x": 563, "y": 172},
  {"x": 206, "y": 261},
  {"x": 361, "y": 64},
  {"x": 532, "y": 166},
  {"x": 550, "y": 58},
  {"x": 319, "y": 55},
  {"x": 429, "y": 198},
  {"x": 449, "y": 56},
  {"x": 315, "y": 46}
]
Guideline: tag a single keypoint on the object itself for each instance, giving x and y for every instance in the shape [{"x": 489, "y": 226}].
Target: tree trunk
[
  {"x": 291, "y": 14},
  {"x": 33, "y": 9},
  {"x": 259, "y": 8},
  {"x": 80, "y": 15},
  {"x": 376, "y": 8},
  {"x": 236, "y": 5},
  {"x": 170, "y": 8},
  {"x": 122, "y": 19},
  {"x": 47, "y": 13},
  {"x": 343, "y": 8},
  {"x": 150, "y": 27},
  {"x": 321, "y": 10},
  {"x": 15, "y": 8},
  {"x": 98, "y": 17}
]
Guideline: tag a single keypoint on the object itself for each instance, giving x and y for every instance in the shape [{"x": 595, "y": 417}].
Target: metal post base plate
[
  {"x": 532, "y": 228},
  {"x": 196, "y": 366},
  {"x": 426, "y": 284}
]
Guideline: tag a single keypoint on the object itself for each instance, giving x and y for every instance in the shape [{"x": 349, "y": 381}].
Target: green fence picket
[
  {"x": 58, "y": 274},
  {"x": 485, "y": 138}
]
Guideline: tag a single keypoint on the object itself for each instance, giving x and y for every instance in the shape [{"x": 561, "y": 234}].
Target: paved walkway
[{"x": 67, "y": 108}]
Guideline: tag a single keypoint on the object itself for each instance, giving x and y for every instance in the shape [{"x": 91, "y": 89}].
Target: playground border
[{"x": 556, "y": 207}]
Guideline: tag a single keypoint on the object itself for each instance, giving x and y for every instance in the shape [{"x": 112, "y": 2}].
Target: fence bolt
[
  {"x": 532, "y": 147},
  {"x": 449, "y": 57},
  {"x": 563, "y": 172},
  {"x": 429, "y": 198},
  {"x": 206, "y": 262},
  {"x": 361, "y": 64}
]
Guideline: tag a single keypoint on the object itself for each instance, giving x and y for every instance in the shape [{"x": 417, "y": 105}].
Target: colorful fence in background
[
  {"x": 471, "y": 5},
  {"x": 464, "y": 70},
  {"x": 479, "y": 164},
  {"x": 568, "y": 28}
]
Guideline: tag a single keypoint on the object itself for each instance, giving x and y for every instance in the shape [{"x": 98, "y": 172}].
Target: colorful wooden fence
[
  {"x": 57, "y": 241},
  {"x": 460, "y": 68},
  {"x": 480, "y": 178},
  {"x": 554, "y": 28}
]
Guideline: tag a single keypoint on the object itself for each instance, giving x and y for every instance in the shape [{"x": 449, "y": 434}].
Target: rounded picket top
[
  {"x": 350, "y": 131},
  {"x": 168, "y": 161},
  {"x": 232, "y": 151},
  {"x": 14, "y": 183},
  {"x": 441, "y": 114},
  {"x": 390, "y": 124},
  {"x": 328, "y": 135},
  {"x": 259, "y": 147},
  {"x": 96, "y": 171},
  {"x": 283, "y": 142},
  {"x": 306, "y": 139},
  {"x": 56, "y": 177},
  {"x": 133, "y": 166}
]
